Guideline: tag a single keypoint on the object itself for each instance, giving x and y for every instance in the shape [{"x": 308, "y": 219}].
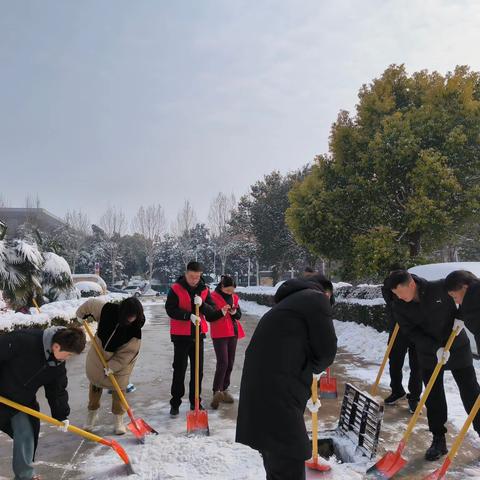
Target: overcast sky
[{"x": 124, "y": 103}]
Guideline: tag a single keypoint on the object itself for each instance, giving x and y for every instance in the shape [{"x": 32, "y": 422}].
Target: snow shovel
[
  {"x": 439, "y": 474},
  {"x": 374, "y": 389},
  {"x": 77, "y": 431},
  {"x": 328, "y": 386},
  {"x": 392, "y": 462},
  {"x": 197, "y": 420},
  {"x": 314, "y": 463},
  {"x": 137, "y": 426}
]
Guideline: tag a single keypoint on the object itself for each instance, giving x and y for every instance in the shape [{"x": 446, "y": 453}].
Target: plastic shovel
[
  {"x": 374, "y": 389},
  {"x": 137, "y": 426},
  {"x": 77, "y": 431},
  {"x": 392, "y": 462},
  {"x": 197, "y": 420},
  {"x": 440, "y": 473},
  {"x": 314, "y": 463},
  {"x": 328, "y": 386}
]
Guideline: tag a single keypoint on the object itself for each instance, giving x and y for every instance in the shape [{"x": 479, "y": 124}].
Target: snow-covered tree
[
  {"x": 168, "y": 259},
  {"x": 56, "y": 276},
  {"x": 114, "y": 224},
  {"x": 75, "y": 235},
  {"x": 219, "y": 217},
  {"x": 150, "y": 224},
  {"x": 182, "y": 228},
  {"x": 20, "y": 272}
]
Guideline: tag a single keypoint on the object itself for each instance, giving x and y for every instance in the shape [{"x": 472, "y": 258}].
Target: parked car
[{"x": 133, "y": 290}]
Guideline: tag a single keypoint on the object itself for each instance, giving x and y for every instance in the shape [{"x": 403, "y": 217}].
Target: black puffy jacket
[
  {"x": 26, "y": 365},
  {"x": 429, "y": 322},
  {"x": 291, "y": 341}
]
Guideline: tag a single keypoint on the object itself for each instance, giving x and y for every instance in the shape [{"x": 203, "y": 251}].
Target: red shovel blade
[
  {"x": 388, "y": 466},
  {"x": 197, "y": 422},
  {"x": 140, "y": 428},
  {"x": 315, "y": 464},
  {"x": 440, "y": 473},
  {"x": 436, "y": 475},
  {"x": 121, "y": 453},
  {"x": 328, "y": 387}
]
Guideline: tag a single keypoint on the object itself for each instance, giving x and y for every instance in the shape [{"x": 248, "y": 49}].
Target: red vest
[
  {"x": 224, "y": 327},
  {"x": 183, "y": 327}
]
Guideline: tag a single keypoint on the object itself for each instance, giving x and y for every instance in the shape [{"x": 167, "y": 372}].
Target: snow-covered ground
[{"x": 173, "y": 456}]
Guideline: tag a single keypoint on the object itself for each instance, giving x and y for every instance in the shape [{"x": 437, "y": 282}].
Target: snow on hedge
[
  {"x": 85, "y": 286},
  {"x": 63, "y": 310}
]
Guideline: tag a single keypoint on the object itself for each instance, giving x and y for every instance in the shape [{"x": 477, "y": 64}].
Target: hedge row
[{"x": 371, "y": 315}]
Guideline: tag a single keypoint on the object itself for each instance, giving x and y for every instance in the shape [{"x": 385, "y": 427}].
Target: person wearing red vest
[
  {"x": 189, "y": 290},
  {"x": 225, "y": 332}
]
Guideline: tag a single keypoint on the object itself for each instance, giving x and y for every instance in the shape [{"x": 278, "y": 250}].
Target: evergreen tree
[{"x": 407, "y": 162}]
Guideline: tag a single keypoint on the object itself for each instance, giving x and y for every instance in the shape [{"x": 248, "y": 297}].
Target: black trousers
[
  {"x": 279, "y": 467},
  {"x": 466, "y": 381},
  {"x": 183, "y": 350},
  {"x": 396, "y": 361}
]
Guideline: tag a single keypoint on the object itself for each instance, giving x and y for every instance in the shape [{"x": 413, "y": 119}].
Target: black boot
[
  {"x": 394, "y": 397},
  {"x": 412, "y": 404},
  {"x": 437, "y": 449}
]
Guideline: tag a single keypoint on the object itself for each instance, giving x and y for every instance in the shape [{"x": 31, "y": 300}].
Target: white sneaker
[
  {"x": 92, "y": 417},
  {"x": 120, "y": 428}
]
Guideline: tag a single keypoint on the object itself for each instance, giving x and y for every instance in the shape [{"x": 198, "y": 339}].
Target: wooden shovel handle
[
  {"x": 197, "y": 358},
  {"x": 111, "y": 377},
  {"x": 53, "y": 421},
  {"x": 314, "y": 420},
  {"x": 429, "y": 387},
  {"x": 458, "y": 441},
  {"x": 374, "y": 389}
]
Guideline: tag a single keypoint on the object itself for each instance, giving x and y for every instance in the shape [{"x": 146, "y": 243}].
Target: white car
[{"x": 133, "y": 290}]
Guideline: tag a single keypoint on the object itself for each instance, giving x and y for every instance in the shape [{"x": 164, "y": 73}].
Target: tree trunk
[
  {"x": 150, "y": 270},
  {"x": 414, "y": 244}
]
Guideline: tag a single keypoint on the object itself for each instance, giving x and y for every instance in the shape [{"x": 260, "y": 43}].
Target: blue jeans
[{"x": 23, "y": 447}]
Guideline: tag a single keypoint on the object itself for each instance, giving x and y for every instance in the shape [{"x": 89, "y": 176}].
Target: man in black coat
[
  {"x": 401, "y": 347},
  {"x": 426, "y": 314},
  {"x": 30, "y": 359},
  {"x": 292, "y": 341},
  {"x": 180, "y": 307},
  {"x": 464, "y": 288}
]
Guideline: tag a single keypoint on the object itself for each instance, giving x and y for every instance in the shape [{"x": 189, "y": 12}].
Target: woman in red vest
[{"x": 225, "y": 332}]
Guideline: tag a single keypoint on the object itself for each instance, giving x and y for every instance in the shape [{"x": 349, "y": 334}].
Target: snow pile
[
  {"x": 173, "y": 457},
  {"x": 436, "y": 271}
]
